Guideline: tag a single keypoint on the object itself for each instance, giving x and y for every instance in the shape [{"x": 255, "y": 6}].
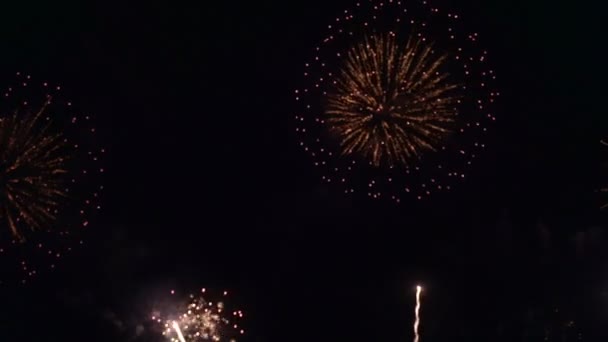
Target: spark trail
[
  {"x": 417, "y": 311},
  {"x": 178, "y": 331}
]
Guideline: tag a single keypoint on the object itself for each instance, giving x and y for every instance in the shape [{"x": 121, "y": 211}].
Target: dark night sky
[{"x": 207, "y": 186}]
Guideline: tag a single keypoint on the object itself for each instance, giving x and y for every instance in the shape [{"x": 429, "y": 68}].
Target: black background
[{"x": 206, "y": 185}]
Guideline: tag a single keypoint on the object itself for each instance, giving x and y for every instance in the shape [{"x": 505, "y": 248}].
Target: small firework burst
[
  {"x": 50, "y": 168},
  {"x": 202, "y": 320},
  {"x": 396, "y": 100}
]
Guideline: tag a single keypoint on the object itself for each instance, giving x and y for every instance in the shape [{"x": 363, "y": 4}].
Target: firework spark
[
  {"x": 417, "y": 312},
  {"x": 391, "y": 102},
  {"x": 202, "y": 320}
]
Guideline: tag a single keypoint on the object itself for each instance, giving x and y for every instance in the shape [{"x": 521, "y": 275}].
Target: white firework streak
[
  {"x": 178, "y": 331},
  {"x": 417, "y": 310}
]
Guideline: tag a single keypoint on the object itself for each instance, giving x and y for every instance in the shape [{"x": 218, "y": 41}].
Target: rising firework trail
[{"x": 417, "y": 311}]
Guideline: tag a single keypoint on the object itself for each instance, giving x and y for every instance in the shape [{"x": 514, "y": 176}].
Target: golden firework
[
  {"x": 32, "y": 170},
  {"x": 202, "y": 320},
  {"x": 390, "y": 102}
]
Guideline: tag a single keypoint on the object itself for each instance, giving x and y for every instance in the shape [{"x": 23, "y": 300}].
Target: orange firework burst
[
  {"x": 50, "y": 168},
  {"x": 395, "y": 101},
  {"x": 32, "y": 171},
  {"x": 390, "y": 102}
]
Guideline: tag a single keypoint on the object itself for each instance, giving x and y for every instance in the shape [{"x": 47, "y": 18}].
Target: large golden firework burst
[
  {"x": 396, "y": 100},
  {"x": 32, "y": 170},
  {"x": 390, "y": 102}
]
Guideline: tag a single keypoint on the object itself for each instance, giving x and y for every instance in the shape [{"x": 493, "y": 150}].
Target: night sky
[{"x": 207, "y": 186}]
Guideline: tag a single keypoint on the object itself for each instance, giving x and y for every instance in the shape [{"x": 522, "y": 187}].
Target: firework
[
  {"x": 32, "y": 173},
  {"x": 395, "y": 101},
  {"x": 390, "y": 102},
  {"x": 49, "y": 177},
  {"x": 202, "y": 320},
  {"x": 417, "y": 313}
]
